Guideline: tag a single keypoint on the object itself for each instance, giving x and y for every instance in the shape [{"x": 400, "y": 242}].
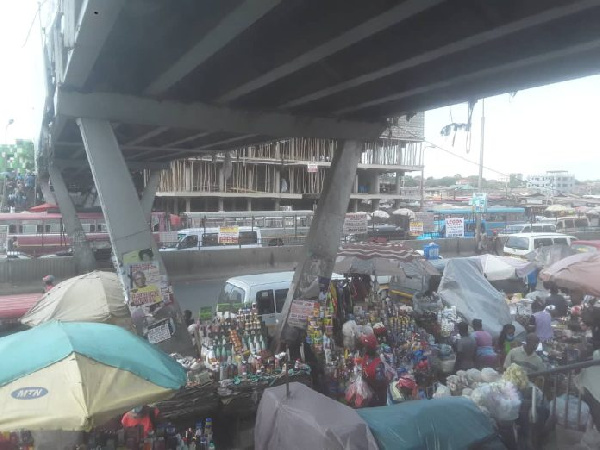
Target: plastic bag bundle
[
  {"x": 517, "y": 376},
  {"x": 489, "y": 375},
  {"x": 442, "y": 391},
  {"x": 501, "y": 400},
  {"x": 358, "y": 393},
  {"x": 571, "y": 420},
  {"x": 350, "y": 332},
  {"x": 474, "y": 376}
]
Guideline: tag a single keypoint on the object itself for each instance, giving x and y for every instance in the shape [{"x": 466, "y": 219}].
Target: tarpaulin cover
[
  {"x": 440, "y": 424},
  {"x": 464, "y": 286},
  {"x": 308, "y": 419}
]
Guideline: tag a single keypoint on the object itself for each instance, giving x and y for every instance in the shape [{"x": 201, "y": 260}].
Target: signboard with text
[
  {"x": 229, "y": 235},
  {"x": 455, "y": 227},
  {"x": 479, "y": 202},
  {"x": 356, "y": 223},
  {"x": 427, "y": 219},
  {"x": 416, "y": 228}
]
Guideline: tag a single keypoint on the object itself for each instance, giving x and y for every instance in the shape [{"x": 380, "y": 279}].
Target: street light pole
[{"x": 480, "y": 178}]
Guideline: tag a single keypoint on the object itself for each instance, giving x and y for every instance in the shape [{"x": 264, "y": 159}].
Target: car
[{"x": 586, "y": 246}]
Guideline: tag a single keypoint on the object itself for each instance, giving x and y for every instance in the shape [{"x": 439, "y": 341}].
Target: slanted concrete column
[
  {"x": 130, "y": 234},
  {"x": 149, "y": 193},
  {"x": 44, "y": 184},
  {"x": 82, "y": 251},
  {"x": 325, "y": 233},
  {"x": 220, "y": 204}
]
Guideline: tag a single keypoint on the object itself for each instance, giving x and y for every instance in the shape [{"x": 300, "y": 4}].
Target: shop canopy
[
  {"x": 382, "y": 259},
  {"x": 307, "y": 419},
  {"x": 497, "y": 268},
  {"x": 93, "y": 297},
  {"x": 578, "y": 272},
  {"x": 75, "y": 376}
]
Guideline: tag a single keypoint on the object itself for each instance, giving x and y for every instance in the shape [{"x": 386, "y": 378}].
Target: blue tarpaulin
[{"x": 442, "y": 424}]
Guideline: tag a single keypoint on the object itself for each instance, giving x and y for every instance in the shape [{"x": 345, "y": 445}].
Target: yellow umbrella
[
  {"x": 75, "y": 376},
  {"x": 93, "y": 297}
]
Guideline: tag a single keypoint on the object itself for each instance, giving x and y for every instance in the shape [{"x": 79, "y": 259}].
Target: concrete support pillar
[
  {"x": 188, "y": 177},
  {"x": 375, "y": 204},
  {"x": 44, "y": 184},
  {"x": 188, "y": 204},
  {"x": 399, "y": 176},
  {"x": 323, "y": 240},
  {"x": 206, "y": 204},
  {"x": 129, "y": 234},
  {"x": 277, "y": 204},
  {"x": 221, "y": 180},
  {"x": 355, "y": 187},
  {"x": 374, "y": 186},
  {"x": 277, "y": 180},
  {"x": 354, "y": 204},
  {"x": 220, "y": 204},
  {"x": 149, "y": 193},
  {"x": 176, "y": 206},
  {"x": 82, "y": 251},
  {"x": 249, "y": 204}
]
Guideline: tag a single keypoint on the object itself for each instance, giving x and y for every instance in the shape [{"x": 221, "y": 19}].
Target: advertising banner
[
  {"x": 455, "y": 227},
  {"x": 416, "y": 228},
  {"x": 229, "y": 235},
  {"x": 356, "y": 223},
  {"x": 300, "y": 311}
]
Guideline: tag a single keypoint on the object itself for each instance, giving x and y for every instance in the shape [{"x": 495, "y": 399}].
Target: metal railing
[{"x": 556, "y": 382}]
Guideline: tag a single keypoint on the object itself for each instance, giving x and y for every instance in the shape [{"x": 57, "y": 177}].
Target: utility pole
[{"x": 480, "y": 178}]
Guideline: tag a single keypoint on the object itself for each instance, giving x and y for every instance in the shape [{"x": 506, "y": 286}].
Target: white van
[
  {"x": 268, "y": 291},
  {"x": 572, "y": 223},
  {"x": 529, "y": 228},
  {"x": 521, "y": 244},
  {"x": 208, "y": 239}
]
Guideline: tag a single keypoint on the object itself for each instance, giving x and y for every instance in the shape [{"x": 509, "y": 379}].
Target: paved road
[{"x": 193, "y": 295}]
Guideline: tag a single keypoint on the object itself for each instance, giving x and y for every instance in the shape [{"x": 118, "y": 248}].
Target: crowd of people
[{"x": 19, "y": 190}]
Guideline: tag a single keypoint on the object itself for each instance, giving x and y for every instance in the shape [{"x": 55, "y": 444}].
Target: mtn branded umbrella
[
  {"x": 75, "y": 376},
  {"x": 93, "y": 297}
]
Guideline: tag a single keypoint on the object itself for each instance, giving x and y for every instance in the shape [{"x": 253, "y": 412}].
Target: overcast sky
[{"x": 549, "y": 128}]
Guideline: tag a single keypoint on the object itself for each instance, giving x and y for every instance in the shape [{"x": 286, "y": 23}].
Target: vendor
[
  {"x": 505, "y": 341},
  {"x": 526, "y": 356},
  {"x": 540, "y": 321},
  {"x": 485, "y": 355},
  {"x": 561, "y": 308},
  {"x": 49, "y": 283},
  {"x": 466, "y": 348},
  {"x": 144, "y": 416}
]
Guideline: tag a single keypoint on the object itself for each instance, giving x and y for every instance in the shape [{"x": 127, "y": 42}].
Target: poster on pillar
[
  {"x": 229, "y": 235},
  {"x": 145, "y": 282}
]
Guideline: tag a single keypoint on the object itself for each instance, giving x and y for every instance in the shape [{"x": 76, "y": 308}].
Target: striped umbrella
[{"x": 382, "y": 259}]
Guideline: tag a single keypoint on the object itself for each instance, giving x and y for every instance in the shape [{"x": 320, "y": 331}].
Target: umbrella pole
[{"x": 287, "y": 376}]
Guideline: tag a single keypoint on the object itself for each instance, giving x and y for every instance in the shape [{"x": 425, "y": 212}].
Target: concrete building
[
  {"x": 552, "y": 182},
  {"x": 291, "y": 173}
]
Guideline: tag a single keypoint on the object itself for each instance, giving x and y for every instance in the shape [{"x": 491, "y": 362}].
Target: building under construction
[{"x": 290, "y": 173}]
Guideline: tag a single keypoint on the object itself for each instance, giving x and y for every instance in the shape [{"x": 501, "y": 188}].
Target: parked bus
[
  {"x": 496, "y": 218},
  {"x": 43, "y": 233}
]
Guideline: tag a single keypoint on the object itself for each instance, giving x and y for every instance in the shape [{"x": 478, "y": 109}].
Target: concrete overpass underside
[{"x": 148, "y": 81}]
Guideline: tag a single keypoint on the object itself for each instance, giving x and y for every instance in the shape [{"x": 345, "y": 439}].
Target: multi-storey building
[
  {"x": 552, "y": 182},
  {"x": 291, "y": 173}
]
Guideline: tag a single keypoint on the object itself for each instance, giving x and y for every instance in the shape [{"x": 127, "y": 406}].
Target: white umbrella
[
  {"x": 381, "y": 214},
  {"x": 404, "y": 212}
]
